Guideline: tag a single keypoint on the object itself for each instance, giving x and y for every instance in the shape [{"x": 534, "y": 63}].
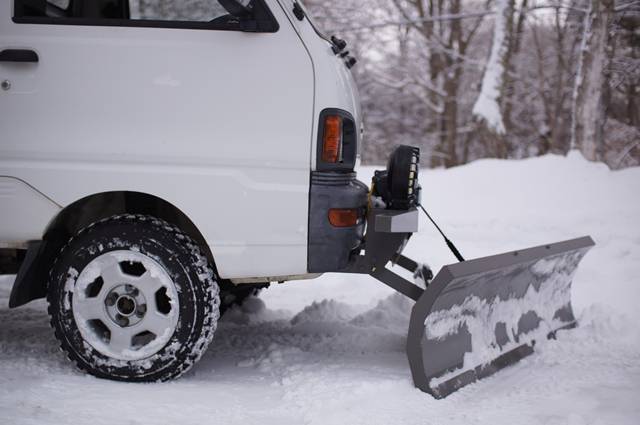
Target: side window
[
  {"x": 238, "y": 15},
  {"x": 62, "y": 4},
  {"x": 167, "y": 10}
]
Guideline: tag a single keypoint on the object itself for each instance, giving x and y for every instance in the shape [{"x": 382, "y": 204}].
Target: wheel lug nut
[
  {"x": 142, "y": 309},
  {"x": 111, "y": 299},
  {"x": 122, "y": 321}
]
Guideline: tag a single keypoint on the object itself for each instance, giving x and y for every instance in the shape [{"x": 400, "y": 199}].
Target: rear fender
[{"x": 31, "y": 281}]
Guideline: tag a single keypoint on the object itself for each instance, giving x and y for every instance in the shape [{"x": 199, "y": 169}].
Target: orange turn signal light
[
  {"x": 343, "y": 217},
  {"x": 332, "y": 139}
]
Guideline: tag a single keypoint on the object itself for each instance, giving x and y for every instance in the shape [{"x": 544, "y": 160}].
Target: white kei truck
[{"x": 158, "y": 164}]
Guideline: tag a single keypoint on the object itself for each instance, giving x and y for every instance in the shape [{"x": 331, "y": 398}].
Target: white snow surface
[{"x": 331, "y": 351}]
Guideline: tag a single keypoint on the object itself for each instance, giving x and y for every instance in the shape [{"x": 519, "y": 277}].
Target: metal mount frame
[{"x": 387, "y": 234}]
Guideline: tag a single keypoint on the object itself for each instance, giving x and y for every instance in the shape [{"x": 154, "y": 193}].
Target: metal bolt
[
  {"x": 6, "y": 85},
  {"x": 142, "y": 309},
  {"x": 111, "y": 299},
  {"x": 122, "y": 321}
]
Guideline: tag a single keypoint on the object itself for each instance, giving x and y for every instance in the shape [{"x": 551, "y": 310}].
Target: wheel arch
[{"x": 32, "y": 277}]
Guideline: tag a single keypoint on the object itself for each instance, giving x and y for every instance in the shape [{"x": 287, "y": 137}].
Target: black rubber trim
[
  {"x": 24, "y": 290},
  {"x": 331, "y": 249},
  {"x": 332, "y": 179}
]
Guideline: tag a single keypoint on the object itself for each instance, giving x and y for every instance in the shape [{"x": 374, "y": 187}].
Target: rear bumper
[{"x": 331, "y": 249}]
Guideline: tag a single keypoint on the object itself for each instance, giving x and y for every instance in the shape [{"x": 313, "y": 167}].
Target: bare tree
[
  {"x": 561, "y": 71},
  {"x": 589, "y": 107},
  {"x": 487, "y": 107}
]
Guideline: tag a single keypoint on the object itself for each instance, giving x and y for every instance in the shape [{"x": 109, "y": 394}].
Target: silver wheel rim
[{"x": 125, "y": 305}]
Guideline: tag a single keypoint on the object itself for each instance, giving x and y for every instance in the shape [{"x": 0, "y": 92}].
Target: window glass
[
  {"x": 137, "y": 10},
  {"x": 171, "y": 10},
  {"x": 62, "y": 4},
  {"x": 239, "y": 15}
]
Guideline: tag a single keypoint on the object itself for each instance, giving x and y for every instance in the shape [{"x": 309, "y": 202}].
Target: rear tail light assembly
[{"x": 337, "y": 141}]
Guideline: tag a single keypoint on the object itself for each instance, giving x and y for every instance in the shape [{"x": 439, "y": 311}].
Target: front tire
[{"x": 132, "y": 298}]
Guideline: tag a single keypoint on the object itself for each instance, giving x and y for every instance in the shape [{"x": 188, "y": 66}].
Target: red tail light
[{"x": 332, "y": 139}]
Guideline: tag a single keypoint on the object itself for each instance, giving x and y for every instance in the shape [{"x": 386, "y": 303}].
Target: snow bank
[
  {"x": 390, "y": 313},
  {"x": 324, "y": 311}
]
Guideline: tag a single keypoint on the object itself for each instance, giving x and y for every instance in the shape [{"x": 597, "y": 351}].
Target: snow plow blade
[{"x": 479, "y": 316}]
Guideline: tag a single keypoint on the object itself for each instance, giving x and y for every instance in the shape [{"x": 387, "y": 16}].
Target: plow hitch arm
[{"x": 386, "y": 235}]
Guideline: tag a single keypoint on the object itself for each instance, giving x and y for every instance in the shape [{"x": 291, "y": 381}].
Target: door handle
[{"x": 18, "y": 55}]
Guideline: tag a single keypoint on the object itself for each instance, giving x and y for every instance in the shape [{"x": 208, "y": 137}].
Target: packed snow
[{"x": 331, "y": 350}]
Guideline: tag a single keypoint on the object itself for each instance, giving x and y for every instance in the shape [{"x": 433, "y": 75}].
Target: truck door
[{"x": 176, "y": 99}]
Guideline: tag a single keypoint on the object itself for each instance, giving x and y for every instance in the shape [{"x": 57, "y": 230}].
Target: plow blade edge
[{"x": 481, "y": 315}]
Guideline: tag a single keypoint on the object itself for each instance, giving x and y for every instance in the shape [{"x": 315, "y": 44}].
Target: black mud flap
[{"x": 479, "y": 316}]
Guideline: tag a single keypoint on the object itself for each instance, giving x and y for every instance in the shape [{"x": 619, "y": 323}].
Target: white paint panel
[
  {"x": 335, "y": 85},
  {"x": 24, "y": 212},
  {"x": 217, "y": 123}
]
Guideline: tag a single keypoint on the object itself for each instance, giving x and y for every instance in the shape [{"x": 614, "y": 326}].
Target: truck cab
[{"x": 156, "y": 153}]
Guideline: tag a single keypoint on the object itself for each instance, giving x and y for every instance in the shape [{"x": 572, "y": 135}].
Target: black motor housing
[{"x": 398, "y": 184}]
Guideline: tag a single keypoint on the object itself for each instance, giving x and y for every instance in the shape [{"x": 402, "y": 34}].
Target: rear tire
[{"x": 132, "y": 298}]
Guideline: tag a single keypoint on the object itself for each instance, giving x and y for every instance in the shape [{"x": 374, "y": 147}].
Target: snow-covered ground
[{"x": 331, "y": 351}]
